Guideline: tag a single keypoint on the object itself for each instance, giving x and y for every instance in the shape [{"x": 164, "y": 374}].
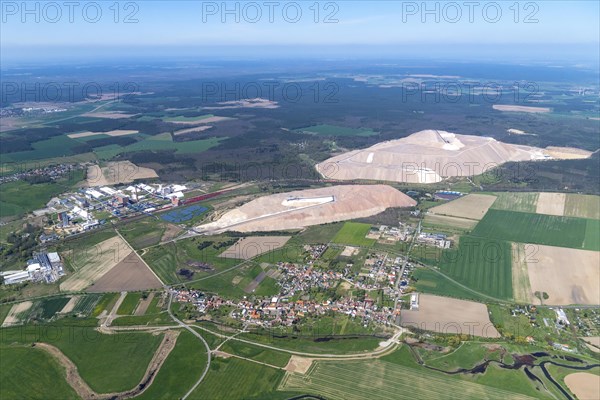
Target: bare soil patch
[
  {"x": 593, "y": 343},
  {"x": 447, "y": 315},
  {"x": 12, "y": 317},
  {"x": 95, "y": 263},
  {"x": 131, "y": 274},
  {"x": 108, "y": 114},
  {"x": 567, "y": 153},
  {"x": 454, "y": 222},
  {"x": 171, "y": 232},
  {"x": 526, "y": 109},
  {"x": 582, "y": 206},
  {"x": 143, "y": 304},
  {"x": 302, "y": 208},
  {"x": 115, "y": 133},
  {"x": 252, "y": 246},
  {"x": 191, "y": 130},
  {"x": 569, "y": 276},
  {"x": 584, "y": 385},
  {"x": 472, "y": 206},
  {"x": 298, "y": 364},
  {"x": 520, "y": 277},
  {"x": 70, "y": 305},
  {"x": 551, "y": 204},
  {"x": 349, "y": 251},
  {"x": 117, "y": 172}
]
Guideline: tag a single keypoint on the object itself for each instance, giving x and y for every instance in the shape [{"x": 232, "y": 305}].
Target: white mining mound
[
  {"x": 431, "y": 156},
  {"x": 302, "y": 208}
]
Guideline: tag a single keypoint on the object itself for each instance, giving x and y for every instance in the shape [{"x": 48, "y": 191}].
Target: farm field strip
[
  {"x": 383, "y": 380},
  {"x": 542, "y": 229},
  {"x": 482, "y": 264},
  {"x": 515, "y": 201}
]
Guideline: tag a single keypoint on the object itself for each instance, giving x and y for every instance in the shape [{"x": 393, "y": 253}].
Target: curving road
[{"x": 208, "y": 353}]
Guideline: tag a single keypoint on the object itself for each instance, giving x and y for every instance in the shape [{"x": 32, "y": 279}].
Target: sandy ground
[
  {"x": 594, "y": 343},
  {"x": 171, "y": 232},
  {"x": 298, "y": 364},
  {"x": 117, "y": 172},
  {"x": 517, "y": 132},
  {"x": 12, "y": 317},
  {"x": 143, "y": 304},
  {"x": 70, "y": 305},
  {"x": 349, "y": 251},
  {"x": 569, "y": 276},
  {"x": 443, "y": 220},
  {"x": 582, "y": 206},
  {"x": 245, "y": 103},
  {"x": 551, "y": 204},
  {"x": 584, "y": 385},
  {"x": 191, "y": 130},
  {"x": 117, "y": 132},
  {"x": 520, "y": 277},
  {"x": 252, "y": 246},
  {"x": 472, "y": 206},
  {"x": 567, "y": 153},
  {"x": 427, "y": 157},
  {"x": 447, "y": 315},
  {"x": 502, "y": 107},
  {"x": 207, "y": 120},
  {"x": 95, "y": 263},
  {"x": 108, "y": 114},
  {"x": 278, "y": 212},
  {"x": 131, "y": 274}
]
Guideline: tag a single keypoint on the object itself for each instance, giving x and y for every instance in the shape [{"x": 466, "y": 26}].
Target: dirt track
[{"x": 85, "y": 392}]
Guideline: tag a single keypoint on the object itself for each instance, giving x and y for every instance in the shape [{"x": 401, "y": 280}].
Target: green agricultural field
[
  {"x": 86, "y": 304},
  {"x": 483, "y": 265},
  {"x": 108, "y": 363},
  {"x": 375, "y": 379},
  {"x": 233, "y": 378},
  {"x": 319, "y": 233},
  {"x": 342, "y": 345},
  {"x": 582, "y": 206},
  {"x": 272, "y": 357},
  {"x": 129, "y": 304},
  {"x": 49, "y": 307},
  {"x": 181, "y": 369},
  {"x": 429, "y": 281},
  {"x": 107, "y": 302},
  {"x": 143, "y": 233},
  {"x": 353, "y": 233},
  {"x": 20, "y": 376},
  {"x": 333, "y": 130},
  {"x": 170, "y": 258},
  {"x": 539, "y": 229},
  {"x": 467, "y": 355},
  {"x": 18, "y": 198},
  {"x": 515, "y": 201}
]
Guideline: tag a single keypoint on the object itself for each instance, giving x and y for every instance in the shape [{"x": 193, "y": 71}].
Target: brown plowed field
[{"x": 131, "y": 274}]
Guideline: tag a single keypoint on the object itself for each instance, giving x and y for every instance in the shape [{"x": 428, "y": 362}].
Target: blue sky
[{"x": 181, "y": 24}]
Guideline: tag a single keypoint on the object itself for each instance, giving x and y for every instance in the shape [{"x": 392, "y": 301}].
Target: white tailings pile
[
  {"x": 430, "y": 156},
  {"x": 301, "y": 208}
]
